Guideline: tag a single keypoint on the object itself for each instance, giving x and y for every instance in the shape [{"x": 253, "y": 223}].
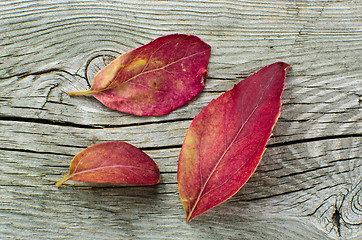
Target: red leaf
[
  {"x": 113, "y": 162},
  {"x": 226, "y": 140},
  {"x": 153, "y": 79}
]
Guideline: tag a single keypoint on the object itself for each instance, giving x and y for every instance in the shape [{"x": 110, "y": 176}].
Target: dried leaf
[
  {"x": 113, "y": 162},
  {"x": 153, "y": 79},
  {"x": 226, "y": 140}
]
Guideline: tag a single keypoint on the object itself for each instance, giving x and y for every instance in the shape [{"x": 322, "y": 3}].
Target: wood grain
[{"x": 308, "y": 185}]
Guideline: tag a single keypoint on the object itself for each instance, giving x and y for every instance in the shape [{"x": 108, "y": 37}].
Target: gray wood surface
[{"x": 308, "y": 184}]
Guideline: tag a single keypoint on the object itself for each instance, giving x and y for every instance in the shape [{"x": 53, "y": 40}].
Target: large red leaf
[
  {"x": 113, "y": 162},
  {"x": 153, "y": 79},
  {"x": 226, "y": 140}
]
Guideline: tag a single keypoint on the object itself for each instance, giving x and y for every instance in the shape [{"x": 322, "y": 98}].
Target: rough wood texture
[{"x": 308, "y": 185}]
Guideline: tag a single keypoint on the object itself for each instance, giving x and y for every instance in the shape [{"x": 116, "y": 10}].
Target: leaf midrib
[
  {"x": 202, "y": 194},
  {"x": 104, "y": 167},
  {"x": 149, "y": 71}
]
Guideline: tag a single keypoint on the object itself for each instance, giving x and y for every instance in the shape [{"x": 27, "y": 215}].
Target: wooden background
[{"x": 308, "y": 185}]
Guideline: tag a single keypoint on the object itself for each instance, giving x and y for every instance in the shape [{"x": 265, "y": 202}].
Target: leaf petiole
[
  {"x": 66, "y": 178},
  {"x": 84, "y": 92}
]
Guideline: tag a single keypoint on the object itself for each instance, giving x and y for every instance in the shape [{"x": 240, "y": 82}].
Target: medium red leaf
[
  {"x": 226, "y": 140},
  {"x": 153, "y": 79},
  {"x": 113, "y": 162}
]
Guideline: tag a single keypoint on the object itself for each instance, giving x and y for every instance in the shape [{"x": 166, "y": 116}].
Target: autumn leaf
[
  {"x": 113, "y": 162},
  {"x": 153, "y": 79},
  {"x": 227, "y": 139}
]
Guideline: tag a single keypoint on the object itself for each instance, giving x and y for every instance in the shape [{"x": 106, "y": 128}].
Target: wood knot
[
  {"x": 96, "y": 62},
  {"x": 341, "y": 214}
]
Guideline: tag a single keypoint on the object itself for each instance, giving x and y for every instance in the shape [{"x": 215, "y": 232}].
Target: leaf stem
[
  {"x": 77, "y": 93},
  {"x": 66, "y": 178},
  {"x": 84, "y": 92}
]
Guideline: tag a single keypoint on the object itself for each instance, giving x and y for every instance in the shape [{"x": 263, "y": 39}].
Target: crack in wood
[
  {"x": 303, "y": 172},
  {"x": 161, "y": 147},
  {"x": 86, "y": 126},
  {"x": 276, "y": 195},
  {"x": 34, "y": 151},
  {"x": 37, "y": 73},
  {"x": 48, "y": 94},
  {"x": 315, "y": 139},
  {"x": 47, "y": 122}
]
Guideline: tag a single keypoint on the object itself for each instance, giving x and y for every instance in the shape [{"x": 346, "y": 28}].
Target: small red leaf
[
  {"x": 153, "y": 79},
  {"x": 226, "y": 140},
  {"x": 113, "y": 162}
]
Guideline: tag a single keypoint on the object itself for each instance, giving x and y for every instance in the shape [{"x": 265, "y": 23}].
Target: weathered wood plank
[
  {"x": 308, "y": 185},
  {"x": 300, "y": 189}
]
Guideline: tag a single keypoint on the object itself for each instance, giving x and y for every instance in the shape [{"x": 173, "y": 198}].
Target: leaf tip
[{"x": 285, "y": 65}]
